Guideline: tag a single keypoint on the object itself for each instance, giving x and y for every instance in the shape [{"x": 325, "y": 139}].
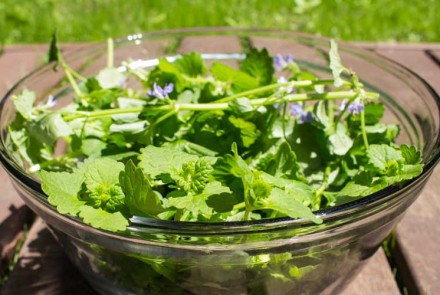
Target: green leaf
[
  {"x": 335, "y": 64},
  {"x": 373, "y": 112},
  {"x": 240, "y": 81},
  {"x": 139, "y": 196},
  {"x": 102, "y": 171},
  {"x": 248, "y": 131},
  {"x": 215, "y": 188},
  {"x": 102, "y": 219},
  {"x": 110, "y": 78},
  {"x": 24, "y": 103},
  {"x": 320, "y": 112},
  {"x": 48, "y": 128},
  {"x": 165, "y": 73},
  {"x": 102, "y": 182},
  {"x": 52, "y": 55},
  {"x": 258, "y": 64},
  {"x": 382, "y": 156},
  {"x": 340, "y": 142},
  {"x": 222, "y": 203},
  {"x": 286, "y": 162},
  {"x": 93, "y": 147},
  {"x": 235, "y": 165},
  {"x": 62, "y": 189},
  {"x": 92, "y": 84},
  {"x": 297, "y": 189},
  {"x": 196, "y": 204},
  {"x": 410, "y": 171},
  {"x": 155, "y": 161},
  {"x": 129, "y": 128},
  {"x": 356, "y": 190},
  {"x": 281, "y": 163},
  {"x": 411, "y": 154},
  {"x": 191, "y": 64},
  {"x": 284, "y": 203}
]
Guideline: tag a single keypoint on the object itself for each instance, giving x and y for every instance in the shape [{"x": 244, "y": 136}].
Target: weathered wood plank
[
  {"x": 15, "y": 65},
  {"x": 13, "y": 213},
  {"x": 43, "y": 268},
  {"x": 375, "y": 278},
  {"x": 418, "y": 235},
  {"x": 435, "y": 55},
  {"x": 14, "y": 216},
  {"x": 418, "y": 61},
  {"x": 398, "y": 46}
]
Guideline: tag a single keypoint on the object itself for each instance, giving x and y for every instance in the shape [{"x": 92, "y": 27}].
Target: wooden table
[{"x": 42, "y": 268}]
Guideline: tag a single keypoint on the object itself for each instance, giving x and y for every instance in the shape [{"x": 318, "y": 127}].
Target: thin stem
[
  {"x": 166, "y": 116},
  {"x": 364, "y": 132},
  {"x": 72, "y": 81},
  {"x": 110, "y": 53},
  {"x": 239, "y": 206},
  {"x": 297, "y": 84},
  {"x": 322, "y": 188},
  {"x": 221, "y": 106}
]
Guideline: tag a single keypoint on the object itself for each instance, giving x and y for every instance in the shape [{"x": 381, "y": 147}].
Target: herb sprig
[{"x": 209, "y": 144}]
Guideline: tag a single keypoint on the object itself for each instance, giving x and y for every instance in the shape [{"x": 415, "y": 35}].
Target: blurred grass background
[{"x": 33, "y": 21}]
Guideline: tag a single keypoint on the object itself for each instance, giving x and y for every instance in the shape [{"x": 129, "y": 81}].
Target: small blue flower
[
  {"x": 280, "y": 62},
  {"x": 355, "y": 108},
  {"x": 160, "y": 92},
  {"x": 288, "y": 58},
  {"x": 296, "y": 109},
  {"x": 305, "y": 117}
]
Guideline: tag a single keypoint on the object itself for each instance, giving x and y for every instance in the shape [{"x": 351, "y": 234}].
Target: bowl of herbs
[{"x": 219, "y": 161}]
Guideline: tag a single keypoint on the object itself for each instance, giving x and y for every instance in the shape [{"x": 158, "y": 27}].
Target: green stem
[
  {"x": 70, "y": 74},
  {"x": 297, "y": 84},
  {"x": 166, "y": 116},
  {"x": 364, "y": 132},
  {"x": 239, "y": 206},
  {"x": 246, "y": 214},
  {"x": 221, "y": 106},
  {"x": 322, "y": 188},
  {"x": 72, "y": 81},
  {"x": 110, "y": 53}
]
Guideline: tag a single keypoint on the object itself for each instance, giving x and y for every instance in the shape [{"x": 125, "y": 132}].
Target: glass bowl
[{"x": 272, "y": 256}]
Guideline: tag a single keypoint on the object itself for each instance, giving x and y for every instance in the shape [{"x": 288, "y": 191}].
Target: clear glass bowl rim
[{"x": 333, "y": 213}]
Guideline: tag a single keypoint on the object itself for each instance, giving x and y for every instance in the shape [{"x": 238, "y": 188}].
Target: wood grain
[
  {"x": 14, "y": 215},
  {"x": 418, "y": 235},
  {"x": 43, "y": 268},
  {"x": 375, "y": 278}
]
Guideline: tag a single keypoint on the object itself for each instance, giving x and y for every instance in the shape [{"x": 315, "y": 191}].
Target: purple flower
[
  {"x": 160, "y": 92},
  {"x": 280, "y": 62},
  {"x": 288, "y": 58},
  {"x": 296, "y": 109},
  {"x": 355, "y": 108},
  {"x": 305, "y": 117}
]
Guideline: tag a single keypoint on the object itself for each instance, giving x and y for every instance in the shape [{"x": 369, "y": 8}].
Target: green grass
[{"x": 31, "y": 21}]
